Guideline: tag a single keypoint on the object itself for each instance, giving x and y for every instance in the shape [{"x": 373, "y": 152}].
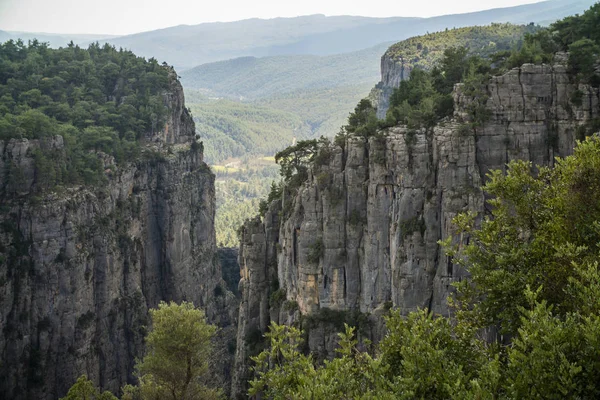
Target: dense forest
[
  {"x": 425, "y": 51},
  {"x": 527, "y": 322},
  {"x": 98, "y": 99},
  {"x": 251, "y": 78},
  {"x": 231, "y": 129},
  {"x": 238, "y": 192}
]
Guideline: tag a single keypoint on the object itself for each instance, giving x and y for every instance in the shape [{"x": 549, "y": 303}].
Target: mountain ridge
[{"x": 187, "y": 46}]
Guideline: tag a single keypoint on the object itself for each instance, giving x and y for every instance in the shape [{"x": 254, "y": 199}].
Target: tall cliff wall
[
  {"x": 80, "y": 267},
  {"x": 362, "y": 232}
]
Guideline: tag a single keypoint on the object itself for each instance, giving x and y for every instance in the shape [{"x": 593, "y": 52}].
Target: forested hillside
[
  {"x": 251, "y": 78},
  {"x": 231, "y": 129},
  {"x": 425, "y": 51},
  {"x": 324, "y": 110},
  {"x": 97, "y": 99}
]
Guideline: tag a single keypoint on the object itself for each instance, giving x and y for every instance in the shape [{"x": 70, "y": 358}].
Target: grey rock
[
  {"x": 380, "y": 207},
  {"x": 81, "y": 267}
]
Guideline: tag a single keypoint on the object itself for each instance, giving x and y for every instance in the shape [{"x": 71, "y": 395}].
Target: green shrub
[
  {"x": 290, "y": 305},
  {"x": 315, "y": 252},
  {"x": 355, "y": 218},
  {"x": 410, "y": 226},
  {"x": 277, "y": 297},
  {"x": 577, "y": 98}
]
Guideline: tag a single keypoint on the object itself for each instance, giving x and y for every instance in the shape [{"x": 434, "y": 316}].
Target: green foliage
[
  {"x": 429, "y": 358},
  {"x": 100, "y": 100},
  {"x": 541, "y": 224},
  {"x": 578, "y": 34},
  {"x": 571, "y": 29},
  {"x": 424, "y": 52},
  {"x": 337, "y": 318},
  {"x": 363, "y": 121},
  {"x": 290, "y": 305},
  {"x": 543, "y": 233},
  {"x": 355, "y": 218},
  {"x": 233, "y": 129},
  {"x": 583, "y": 56},
  {"x": 324, "y": 110},
  {"x": 179, "y": 350},
  {"x": 554, "y": 357},
  {"x": 295, "y": 161},
  {"x": 425, "y": 99},
  {"x": 238, "y": 198},
  {"x": 84, "y": 389},
  {"x": 277, "y": 297},
  {"x": 410, "y": 226},
  {"x": 316, "y": 252},
  {"x": 283, "y": 372}
]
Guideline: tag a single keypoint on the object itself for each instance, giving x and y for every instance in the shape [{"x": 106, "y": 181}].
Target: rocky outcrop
[
  {"x": 393, "y": 71},
  {"x": 258, "y": 283},
  {"x": 81, "y": 266},
  {"x": 362, "y": 232}
]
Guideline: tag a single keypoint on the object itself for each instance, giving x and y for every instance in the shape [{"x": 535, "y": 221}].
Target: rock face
[
  {"x": 81, "y": 267},
  {"x": 393, "y": 71},
  {"x": 362, "y": 232}
]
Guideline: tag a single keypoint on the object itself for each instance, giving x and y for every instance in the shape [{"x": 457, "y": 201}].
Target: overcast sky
[{"x": 119, "y": 17}]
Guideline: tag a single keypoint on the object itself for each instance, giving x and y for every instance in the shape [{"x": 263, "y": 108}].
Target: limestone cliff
[
  {"x": 393, "y": 71},
  {"x": 80, "y": 267},
  {"x": 362, "y": 232}
]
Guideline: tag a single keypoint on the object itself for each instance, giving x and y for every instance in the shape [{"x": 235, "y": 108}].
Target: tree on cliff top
[{"x": 534, "y": 275}]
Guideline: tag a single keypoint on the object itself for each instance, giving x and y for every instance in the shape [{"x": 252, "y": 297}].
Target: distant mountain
[
  {"x": 54, "y": 39},
  {"x": 188, "y": 46},
  {"x": 250, "y": 78}
]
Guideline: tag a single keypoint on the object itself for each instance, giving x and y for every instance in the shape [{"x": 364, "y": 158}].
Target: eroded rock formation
[
  {"x": 362, "y": 232},
  {"x": 80, "y": 267}
]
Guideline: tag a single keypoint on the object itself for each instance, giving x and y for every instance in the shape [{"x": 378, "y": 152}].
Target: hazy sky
[{"x": 120, "y": 17}]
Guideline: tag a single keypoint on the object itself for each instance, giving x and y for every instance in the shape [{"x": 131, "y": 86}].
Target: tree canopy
[
  {"x": 176, "y": 363},
  {"x": 179, "y": 349},
  {"x": 98, "y": 99}
]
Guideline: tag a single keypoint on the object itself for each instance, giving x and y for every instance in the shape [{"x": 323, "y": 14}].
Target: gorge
[{"x": 108, "y": 206}]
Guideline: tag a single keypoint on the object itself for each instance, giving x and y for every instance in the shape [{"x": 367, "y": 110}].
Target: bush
[
  {"x": 277, "y": 297},
  {"x": 316, "y": 251},
  {"x": 355, "y": 218},
  {"x": 410, "y": 226}
]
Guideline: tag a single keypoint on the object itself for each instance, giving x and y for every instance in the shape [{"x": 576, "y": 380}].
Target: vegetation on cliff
[
  {"x": 534, "y": 278},
  {"x": 98, "y": 99},
  {"x": 424, "y": 52},
  {"x": 526, "y": 324},
  {"x": 177, "y": 360},
  {"x": 426, "y": 98}
]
